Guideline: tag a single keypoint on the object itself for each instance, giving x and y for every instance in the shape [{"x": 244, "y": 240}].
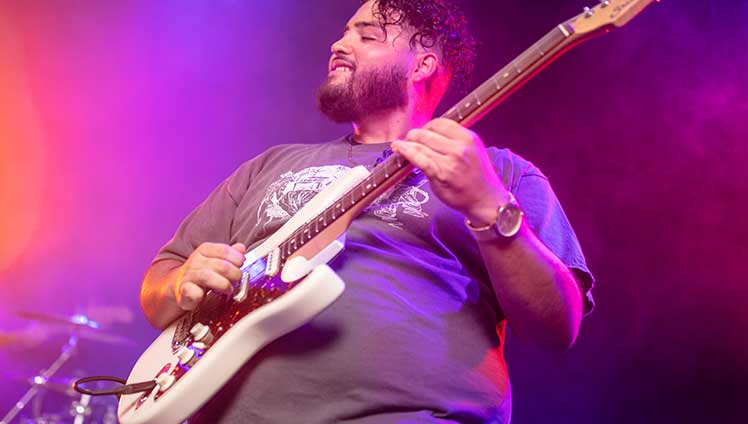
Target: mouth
[{"x": 340, "y": 66}]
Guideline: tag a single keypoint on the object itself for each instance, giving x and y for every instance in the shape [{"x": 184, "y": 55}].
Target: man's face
[{"x": 367, "y": 73}]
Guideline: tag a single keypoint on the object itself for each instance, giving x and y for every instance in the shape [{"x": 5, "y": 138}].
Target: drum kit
[{"x": 46, "y": 388}]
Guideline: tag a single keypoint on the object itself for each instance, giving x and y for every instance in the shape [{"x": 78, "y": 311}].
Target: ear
[{"x": 427, "y": 65}]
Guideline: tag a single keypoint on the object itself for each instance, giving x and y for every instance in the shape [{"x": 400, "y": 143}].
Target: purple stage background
[{"x": 117, "y": 118}]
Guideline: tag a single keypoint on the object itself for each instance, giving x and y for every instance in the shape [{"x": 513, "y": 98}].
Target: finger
[
  {"x": 421, "y": 156},
  {"x": 189, "y": 295},
  {"x": 241, "y": 247},
  {"x": 221, "y": 251},
  {"x": 225, "y": 269},
  {"x": 433, "y": 140},
  {"x": 448, "y": 128},
  {"x": 209, "y": 279}
]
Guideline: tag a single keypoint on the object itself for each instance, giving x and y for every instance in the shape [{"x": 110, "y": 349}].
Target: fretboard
[
  {"x": 489, "y": 94},
  {"x": 380, "y": 175}
]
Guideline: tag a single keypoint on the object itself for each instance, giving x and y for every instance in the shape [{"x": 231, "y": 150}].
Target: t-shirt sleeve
[
  {"x": 211, "y": 221},
  {"x": 550, "y": 224}
]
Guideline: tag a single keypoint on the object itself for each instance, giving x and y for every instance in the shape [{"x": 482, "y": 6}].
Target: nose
[{"x": 340, "y": 47}]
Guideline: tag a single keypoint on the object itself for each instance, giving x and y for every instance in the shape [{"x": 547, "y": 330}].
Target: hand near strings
[
  {"x": 211, "y": 266},
  {"x": 458, "y": 168}
]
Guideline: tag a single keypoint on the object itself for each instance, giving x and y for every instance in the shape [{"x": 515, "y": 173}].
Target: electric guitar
[{"x": 286, "y": 280}]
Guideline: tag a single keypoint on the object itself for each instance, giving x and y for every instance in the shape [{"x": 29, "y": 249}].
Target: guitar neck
[
  {"x": 511, "y": 77},
  {"x": 469, "y": 110}
]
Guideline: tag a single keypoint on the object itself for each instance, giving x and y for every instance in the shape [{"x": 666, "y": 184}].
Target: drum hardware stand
[{"x": 68, "y": 350}]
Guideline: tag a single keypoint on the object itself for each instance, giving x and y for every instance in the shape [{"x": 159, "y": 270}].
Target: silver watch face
[{"x": 509, "y": 220}]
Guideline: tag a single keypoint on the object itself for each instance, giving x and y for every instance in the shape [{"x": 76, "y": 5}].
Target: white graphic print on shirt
[
  {"x": 403, "y": 198},
  {"x": 293, "y": 190}
]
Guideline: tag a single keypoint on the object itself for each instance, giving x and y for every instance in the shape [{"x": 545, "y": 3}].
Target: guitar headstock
[{"x": 608, "y": 13}]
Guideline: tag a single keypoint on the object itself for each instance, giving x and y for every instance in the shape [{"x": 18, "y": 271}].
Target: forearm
[
  {"x": 157, "y": 294},
  {"x": 538, "y": 294}
]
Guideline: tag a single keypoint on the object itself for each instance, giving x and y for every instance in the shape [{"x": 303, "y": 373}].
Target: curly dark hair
[{"x": 437, "y": 23}]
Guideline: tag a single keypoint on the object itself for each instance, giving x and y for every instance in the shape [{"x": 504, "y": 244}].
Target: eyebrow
[{"x": 363, "y": 24}]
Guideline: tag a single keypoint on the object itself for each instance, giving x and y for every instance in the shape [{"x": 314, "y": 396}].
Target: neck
[{"x": 390, "y": 125}]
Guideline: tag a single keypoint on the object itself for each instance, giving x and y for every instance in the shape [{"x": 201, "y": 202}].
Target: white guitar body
[{"x": 317, "y": 286}]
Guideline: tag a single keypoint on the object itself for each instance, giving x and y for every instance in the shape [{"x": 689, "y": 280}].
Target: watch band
[{"x": 509, "y": 218}]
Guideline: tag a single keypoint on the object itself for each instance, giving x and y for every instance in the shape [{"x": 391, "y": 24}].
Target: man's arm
[
  {"x": 538, "y": 294},
  {"x": 171, "y": 287}
]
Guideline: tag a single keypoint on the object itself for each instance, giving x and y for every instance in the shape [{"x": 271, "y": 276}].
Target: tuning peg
[
  {"x": 587, "y": 12},
  {"x": 604, "y": 3}
]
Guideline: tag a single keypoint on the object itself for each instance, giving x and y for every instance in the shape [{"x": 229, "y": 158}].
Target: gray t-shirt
[{"x": 417, "y": 336}]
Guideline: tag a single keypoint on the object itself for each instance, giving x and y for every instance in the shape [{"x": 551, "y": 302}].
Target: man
[{"x": 418, "y": 334}]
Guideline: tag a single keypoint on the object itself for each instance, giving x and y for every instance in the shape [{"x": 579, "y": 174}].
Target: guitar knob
[
  {"x": 201, "y": 333},
  {"x": 186, "y": 356},
  {"x": 165, "y": 381}
]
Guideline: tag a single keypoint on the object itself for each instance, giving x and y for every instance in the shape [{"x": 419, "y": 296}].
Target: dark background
[{"x": 117, "y": 118}]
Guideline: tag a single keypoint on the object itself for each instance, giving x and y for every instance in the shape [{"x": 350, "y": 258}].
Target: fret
[
  {"x": 386, "y": 172},
  {"x": 477, "y": 99},
  {"x": 539, "y": 50},
  {"x": 486, "y": 91},
  {"x": 525, "y": 62},
  {"x": 381, "y": 175},
  {"x": 450, "y": 114},
  {"x": 496, "y": 83},
  {"x": 375, "y": 177},
  {"x": 517, "y": 67}
]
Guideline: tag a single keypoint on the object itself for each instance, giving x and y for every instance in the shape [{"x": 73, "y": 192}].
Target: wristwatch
[{"x": 509, "y": 217}]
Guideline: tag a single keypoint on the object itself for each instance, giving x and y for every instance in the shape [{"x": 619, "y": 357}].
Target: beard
[{"x": 364, "y": 93}]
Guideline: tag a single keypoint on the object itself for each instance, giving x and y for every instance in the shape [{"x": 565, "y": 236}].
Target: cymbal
[
  {"x": 82, "y": 325},
  {"x": 78, "y": 320}
]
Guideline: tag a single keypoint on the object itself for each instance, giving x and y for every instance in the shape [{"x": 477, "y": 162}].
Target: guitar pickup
[{"x": 273, "y": 263}]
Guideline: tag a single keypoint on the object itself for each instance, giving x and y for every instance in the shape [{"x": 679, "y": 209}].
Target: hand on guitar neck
[{"x": 458, "y": 167}]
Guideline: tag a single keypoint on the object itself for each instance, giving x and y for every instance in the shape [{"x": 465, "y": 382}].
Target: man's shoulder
[{"x": 512, "y": 167}]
